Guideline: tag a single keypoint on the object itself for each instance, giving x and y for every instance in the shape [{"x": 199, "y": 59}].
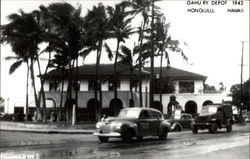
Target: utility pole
[{"x": 241, "y": 67}]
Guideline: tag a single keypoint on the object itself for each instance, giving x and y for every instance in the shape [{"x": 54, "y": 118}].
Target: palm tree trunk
[
  {"x": 140, "y": 66},
  {"x": 99, "y": 112},
  {"x": 152, "y": 59},
  {"x": 27, "y": 93},
  {"x": 97, "y": 81},
  {"x": 61, "y": 100},
  {"x": 160, "y": 79},
  {"x": 131, "y": 88},
  {"x": 39, "y": 115},
  {"x": 77, "y": 87},
  {"x": 42, "y": 91},
  {"x": 115, "y": 73}
]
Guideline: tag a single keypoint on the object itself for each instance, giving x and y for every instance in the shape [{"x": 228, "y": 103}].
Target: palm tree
[
  {"x": 16, "y": 65},
  {"x": 97, "y": 30},
  {"x": 66, "y": 31},
  {"x": 23, "y": 33},
  {"x": 126, "y": 57},
  {"x": 163, "y": 42},
  {"x": 141, "y": 7},
  {"x": 120, "y": 29}
]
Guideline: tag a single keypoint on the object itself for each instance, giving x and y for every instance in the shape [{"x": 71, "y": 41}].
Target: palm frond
[
  {"x": 14, "y": 66},
  {"x": 109, "y": 51},
  {"x": 8, "y": 58}
]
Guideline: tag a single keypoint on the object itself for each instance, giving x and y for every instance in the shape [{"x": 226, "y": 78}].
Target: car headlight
[{"x": 98, "y": 125}]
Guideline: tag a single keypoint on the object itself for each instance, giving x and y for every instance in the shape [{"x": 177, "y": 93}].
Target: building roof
[
  {"x": 177, "y": 74},
  {"x": 107, "y": 72}
]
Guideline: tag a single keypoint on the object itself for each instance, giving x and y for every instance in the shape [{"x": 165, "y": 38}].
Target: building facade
[{"x": 187, "y": 89}]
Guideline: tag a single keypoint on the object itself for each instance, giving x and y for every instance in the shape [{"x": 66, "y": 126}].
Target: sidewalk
[{"x": 35, "y": 127}]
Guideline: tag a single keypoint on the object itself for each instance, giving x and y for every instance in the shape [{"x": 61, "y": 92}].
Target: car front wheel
[
  {"x": 213, "y": 128},
  {"x": 164, "y": 134},
  {"x": 128, "y": 135},
  {"x": 195, "y": 130},
  {"x": 103, "y": 139}
]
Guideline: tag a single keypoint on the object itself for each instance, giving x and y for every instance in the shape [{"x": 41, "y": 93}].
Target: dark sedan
[
  {"x": 133, "y": 122},
  {"x": 181, "y": 121}
]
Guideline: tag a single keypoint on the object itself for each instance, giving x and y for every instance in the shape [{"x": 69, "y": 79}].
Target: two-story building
[{"x": 188, "y": 89}]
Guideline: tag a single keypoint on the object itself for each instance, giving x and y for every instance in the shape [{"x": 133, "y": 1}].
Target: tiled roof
[
  {"x": 177, "y": 74},
  {"x": 107, "y": 72}
]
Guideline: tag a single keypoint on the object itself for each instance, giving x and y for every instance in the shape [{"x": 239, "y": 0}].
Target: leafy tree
[
  {"x": 209, "y": 89},
  {"x": 240, "y": 95}
]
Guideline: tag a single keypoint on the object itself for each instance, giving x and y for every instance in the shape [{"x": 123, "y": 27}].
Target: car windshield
[
  {"x": 175, "y": 116},
  {"x": 129, "y": 113},
  {"x": 206, "y": 110}
]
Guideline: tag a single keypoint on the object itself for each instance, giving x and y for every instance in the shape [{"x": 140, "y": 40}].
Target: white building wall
[
  {"x": 199, "y": 99},
  {"x": 84, "y": 85},
  {"x": 46, "y": 85},
  {"x": 105, "y": 86},
  {"x": 198, "y": 87},
  {"x": 124, "y": 85}
]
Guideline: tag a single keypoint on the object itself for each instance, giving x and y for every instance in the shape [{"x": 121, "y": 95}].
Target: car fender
[
  {"x": 176, "y": 124},
  {"x": 130, "y": 125},
  {"x": 165, "y": 124}
]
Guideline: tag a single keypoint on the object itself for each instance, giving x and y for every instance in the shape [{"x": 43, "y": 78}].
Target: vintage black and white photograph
[{"x": 127, "y": 79}]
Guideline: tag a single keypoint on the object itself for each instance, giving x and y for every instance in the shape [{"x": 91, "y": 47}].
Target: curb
[
  {"x": 47, "y": 129},
  {"x": 51, "y": 131}
]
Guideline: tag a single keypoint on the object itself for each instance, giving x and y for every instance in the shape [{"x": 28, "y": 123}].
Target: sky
[{"x": 214, "y": 40}]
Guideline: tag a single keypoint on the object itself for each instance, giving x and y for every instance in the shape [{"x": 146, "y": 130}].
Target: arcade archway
[
  {"x": 191, "y": 107},
  {"x": 115, "y": 106},
  {"x": 93, "y": 108}
]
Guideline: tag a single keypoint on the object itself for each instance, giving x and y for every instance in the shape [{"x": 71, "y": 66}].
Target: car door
[
  {"x": 155, "y": 122},
  {"x": 144, "y": 123}
]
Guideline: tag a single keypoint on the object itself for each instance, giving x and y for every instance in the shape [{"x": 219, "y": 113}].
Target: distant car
[
  {"x": 214, "y": 116},
  {"x": 181, "y": 121},
  {"x": 133, "y": 122}
]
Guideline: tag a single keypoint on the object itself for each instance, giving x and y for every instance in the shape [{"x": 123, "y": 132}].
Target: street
[{"x": 223, "y": 145}]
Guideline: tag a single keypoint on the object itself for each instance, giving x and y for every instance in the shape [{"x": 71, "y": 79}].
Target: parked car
[
  {"x": 133, "y": 122},
  {"x": 214, "y": 116},
  {"x": 181, "y": 121}
]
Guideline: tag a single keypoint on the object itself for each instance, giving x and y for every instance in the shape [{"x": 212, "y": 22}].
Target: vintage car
[
  {"x": 133, "y": 122},
  {"x": 214, "y": 116},
  {"x": 181, "y": 121}
]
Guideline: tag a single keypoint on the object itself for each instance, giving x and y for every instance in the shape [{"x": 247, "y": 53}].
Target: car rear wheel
[
  {"x": 164, "y": 134},
  {"x": 213, "y": 128},
  {"x": 128, "y": 135},
  {"x": 195, "y": 130},
  {"x": 103, "y": 139},
  {"x": 177, "y": 128}
]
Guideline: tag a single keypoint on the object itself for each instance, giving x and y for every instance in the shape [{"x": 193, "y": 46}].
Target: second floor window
[
  {"x": 91, "y": 84},
  {"x": 54, "y": 85},
  {"x": 186, "y": 87},
  {"x": 112, "y": 86}
]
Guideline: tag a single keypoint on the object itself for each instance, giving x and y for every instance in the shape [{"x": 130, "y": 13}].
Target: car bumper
[
  {"x": 201, "y": 125},
  {"x": 111, "y": 134}
]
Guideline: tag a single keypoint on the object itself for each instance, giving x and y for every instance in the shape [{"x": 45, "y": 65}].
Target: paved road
[{"x": 184, "y": 145}]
